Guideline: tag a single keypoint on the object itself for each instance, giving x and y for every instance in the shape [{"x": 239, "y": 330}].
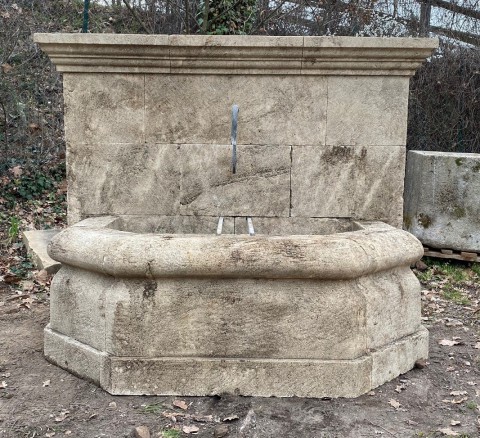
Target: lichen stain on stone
[
  {"x": 424, "y": 220},
  {"x": 459, "y": 161},
  {"x": 338, "y": 154},
  {"x": 149, "y": 289},
  {"x": 407, "y": 221},
  {"x": 459, "y": 212},
  {"x": 476, "y": 168}
]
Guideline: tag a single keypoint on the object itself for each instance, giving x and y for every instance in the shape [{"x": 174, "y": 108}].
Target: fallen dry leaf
[
  {"x": 46, "y": 383},
  {"x": 62, "y": 416},
  {"x": 394, "y": 403},
  {"x": 454, "y": 423},
  {"x": 477, "y": 346},
  {"x": 3, "y": 385},
  {"x": 50, "y": 434},
  {"x": 190, "y": 429},
  {"x": 68, "y": 432},
  {"x": 457, "y": 393},
  {"x": 5, "y": 15},
  {"x": 449, "y": 432},
  {"x": 41, "y": 276},
  {"x": 7, "y": 68},
  {"x": 449, "y": 343},
  {"x": 180, "y": 404},
  {"x": 230, "y": 418},
  {"x": 16, "y": 171},
  {"x": 456, "y": 402}
]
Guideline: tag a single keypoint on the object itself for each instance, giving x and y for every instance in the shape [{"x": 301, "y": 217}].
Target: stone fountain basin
[{"x": 306, "y": 307}]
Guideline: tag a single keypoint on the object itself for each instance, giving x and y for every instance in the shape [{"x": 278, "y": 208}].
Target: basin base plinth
[{"x": 194, "y": 376}]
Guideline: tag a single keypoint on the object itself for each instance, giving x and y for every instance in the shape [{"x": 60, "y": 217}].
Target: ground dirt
[{"x": 38, "y": 399}]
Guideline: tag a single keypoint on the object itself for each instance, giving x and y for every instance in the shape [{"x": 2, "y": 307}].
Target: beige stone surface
[
  {"x": 157, "y": 179},
  {"x": 281, "y": 110},
  {"x": 237, "y": 318},
  {"x": 280, "y": 226},
  {"x": 76, "y": 357},
  {"x": 249, "y": 377},
  {"x": 392, "y": 305},
  {"x": 175, "y": 224},
  {"x": 399, "y": 357},
  {"x": 208, "y": 186},
  {"x": 77, "y": 308},
  {"x": 252, "y": 377},
  {"x": 36, "y": 242},
  {"x": 367, "y": 111},
  {"x": 363, "y": 182},
  {"x": 238, "y": 55},
  {"x": 104, "y": 108},
  {"x": 329, "y": 257}
]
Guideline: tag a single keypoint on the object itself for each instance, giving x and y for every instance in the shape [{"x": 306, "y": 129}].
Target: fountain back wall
[{"x": 321, "y": 133}]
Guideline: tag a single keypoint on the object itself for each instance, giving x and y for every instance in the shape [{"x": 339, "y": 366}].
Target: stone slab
[
  {"x": 442, "y": 199},
  {"x": 349, "y": 181},
  {"x": 166, "y": 180},
  {"x": 208, "y": 186},
  {"x": 367, "y": 111},
  {"x": 198, "y": 109},
  {"x": 193, "y": 376},
  {"x": 104, "y": 108},
  {"x": 36, "y": 242}
]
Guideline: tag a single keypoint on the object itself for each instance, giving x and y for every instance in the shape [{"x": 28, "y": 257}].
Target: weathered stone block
[
  {"x": 177, "y": 179},
  {"x": 442, "y": 199},
  {"x": 122, "y": 178},
  {"x": 366, "y": 110},
  {"x": 273, "y": 109},
  {"x": 348, "y": 181},
  {"x": 104, "y": 108},
  {"x": 208, "y": 186}
]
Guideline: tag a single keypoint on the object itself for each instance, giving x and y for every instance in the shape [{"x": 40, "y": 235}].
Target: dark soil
[{"x": 38, "y": 399}]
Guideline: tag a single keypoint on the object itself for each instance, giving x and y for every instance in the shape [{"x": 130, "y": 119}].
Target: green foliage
[
  {"x": 227, "y": 17},
  {"x": 171, "y": 433},
  {"x": 32, "y": 184},
  {"x": 154, "y": 408},
  {"x": 471, "y": 405},
  {"x": 13, "y": 229},
  {"x": 453, "y": 294}
]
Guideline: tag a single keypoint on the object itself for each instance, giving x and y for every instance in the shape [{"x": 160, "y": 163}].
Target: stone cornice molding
[{"x": 235, "y": 55}]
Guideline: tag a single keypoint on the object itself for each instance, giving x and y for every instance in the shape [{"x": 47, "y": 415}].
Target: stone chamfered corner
[{"x": 312, "y": 315}]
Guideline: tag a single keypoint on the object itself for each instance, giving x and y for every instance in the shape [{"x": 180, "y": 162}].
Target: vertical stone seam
[
  {"x": 326, "y": 114},
  {"x": 291, "y": 169},
  {"x": 144, "y": 108}
]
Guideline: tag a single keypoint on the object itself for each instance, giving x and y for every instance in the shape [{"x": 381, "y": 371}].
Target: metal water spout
[{"x": 233, "y": 137}]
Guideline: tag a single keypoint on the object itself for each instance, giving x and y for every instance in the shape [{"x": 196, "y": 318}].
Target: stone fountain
[{"x": 156, "y": 295}]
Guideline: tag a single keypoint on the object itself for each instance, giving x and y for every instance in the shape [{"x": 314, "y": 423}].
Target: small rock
[
  {"x": 220, "y": 431},
  {"x": 141, "y": 432},
  {"x": 420, "y": 363},
  {"x": 420, "y": 266}
]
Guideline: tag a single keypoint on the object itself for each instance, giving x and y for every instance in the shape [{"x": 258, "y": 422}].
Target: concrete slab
[{"x": 36, "y": 242}]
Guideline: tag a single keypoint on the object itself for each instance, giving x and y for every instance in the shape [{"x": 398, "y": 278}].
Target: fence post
[
  {"x": 425, "y": 12},
  {"x": 86, "y": 6}
]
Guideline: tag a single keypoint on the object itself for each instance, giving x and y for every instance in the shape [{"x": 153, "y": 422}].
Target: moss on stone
[
  {"x": 459, "y": 212},
  {"x": 424, "y": 220}
]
